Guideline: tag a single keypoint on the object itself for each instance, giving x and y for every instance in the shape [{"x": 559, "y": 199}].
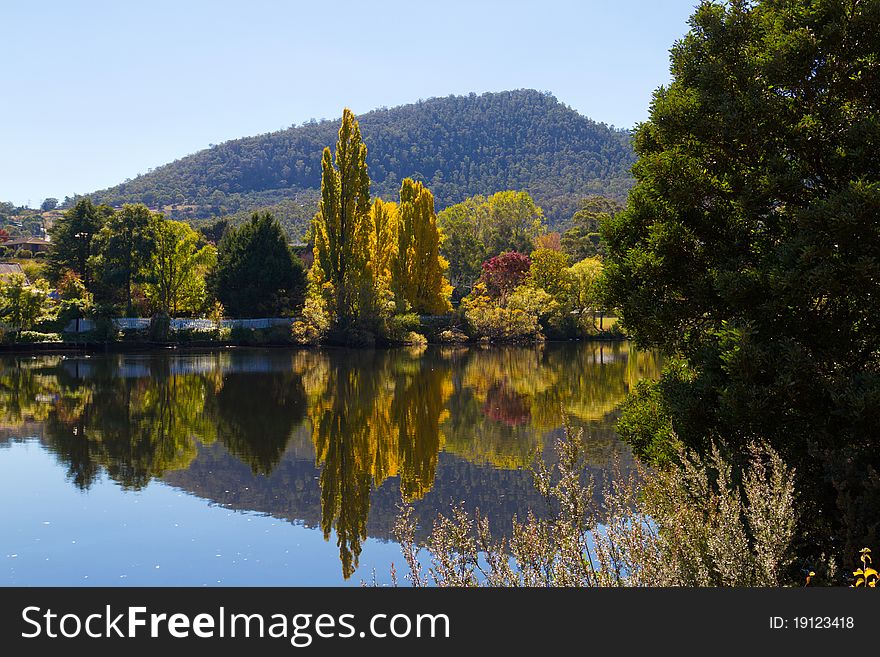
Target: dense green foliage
[
  {"x": 582, "y": 238},
  {"x": 482, "y": 227},
  {"x": 72, "y": 239},
  {"x": 21, "y": 303},
  {"x": 122, "y": 249},
  {"x": 175, "y": 273},
  {"x": 457, "y": 146},
  {"x": 750, "y": 249},
  {"x": 257, "y": 275}
]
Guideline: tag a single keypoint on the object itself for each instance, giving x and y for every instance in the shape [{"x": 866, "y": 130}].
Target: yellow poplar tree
[
  {"x": 383, "y": 242},
  {"x": 418, "y": 268},
  {"x": 342, "y": 225}
]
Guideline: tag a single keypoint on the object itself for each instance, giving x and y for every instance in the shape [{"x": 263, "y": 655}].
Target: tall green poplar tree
[{"x": 342, "y": 225}]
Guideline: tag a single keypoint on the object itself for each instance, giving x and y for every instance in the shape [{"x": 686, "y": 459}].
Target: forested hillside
[{"x": 458, "y": 146}]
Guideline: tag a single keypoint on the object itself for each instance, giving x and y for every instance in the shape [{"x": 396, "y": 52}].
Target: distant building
[
  {"x": 34, "y": 244},
  {"x": 304, "y": 251}
]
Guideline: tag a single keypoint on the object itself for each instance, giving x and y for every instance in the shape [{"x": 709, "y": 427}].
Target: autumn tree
[
  {"x": 585, "y": 288},
  {"x": 342, "y": 226},
  {"x": 418, "y": 268},
  {"x": 503, "y": 273},
  {"x": 383, "y": 241},
  {"x": 549, "y": 272},
  {"x": 482, "y": 227}
]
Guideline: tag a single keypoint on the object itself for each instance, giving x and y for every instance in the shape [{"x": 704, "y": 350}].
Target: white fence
[{"x": 181, "y": 324}]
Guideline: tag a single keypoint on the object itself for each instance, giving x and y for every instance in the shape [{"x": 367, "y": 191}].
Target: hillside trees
[{"x": 458, "y": 146}]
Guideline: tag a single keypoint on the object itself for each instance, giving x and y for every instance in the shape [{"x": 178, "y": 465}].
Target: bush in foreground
[{"x": 702, "y": 522}]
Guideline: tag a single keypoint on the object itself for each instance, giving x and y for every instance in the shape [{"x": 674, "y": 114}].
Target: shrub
[
  {"x": 24, "y": 254},
  {"x": 700, "y": 523},
  {"x": 105, "y": 330},
  {"x": 36, "y": 336},
  {"x": 495, "y": 321},
  {"x": 314, "y": 324},
  {"x": 210, "y": 334},
  {"x": 399, "y": 328},
  {"x": 273, "y": 335}
]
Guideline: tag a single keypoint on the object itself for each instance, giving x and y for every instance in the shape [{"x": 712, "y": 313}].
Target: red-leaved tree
[{"x": 503, "y": 273}]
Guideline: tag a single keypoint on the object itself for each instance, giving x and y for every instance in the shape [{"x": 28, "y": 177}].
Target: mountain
[{"x": 458, "y": 145}]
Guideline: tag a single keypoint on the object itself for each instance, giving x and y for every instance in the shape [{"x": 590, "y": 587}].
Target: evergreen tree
[
  {"x": 257, "y": 274},
  {"x": 750, "y": 249},
  {"x": 72, "y": 238}
]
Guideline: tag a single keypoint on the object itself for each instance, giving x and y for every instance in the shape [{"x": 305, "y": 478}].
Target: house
[{"x": 34, "y": 244}]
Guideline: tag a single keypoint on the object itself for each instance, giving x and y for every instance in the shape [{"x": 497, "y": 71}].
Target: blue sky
[{"x": 97, "y": 92}]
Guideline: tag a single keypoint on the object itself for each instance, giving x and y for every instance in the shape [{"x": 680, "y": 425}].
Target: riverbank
[{"x": 89, "y": 346}]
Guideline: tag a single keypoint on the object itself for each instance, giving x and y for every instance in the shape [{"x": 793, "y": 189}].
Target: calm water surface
[{"x": 276, "y": 467}]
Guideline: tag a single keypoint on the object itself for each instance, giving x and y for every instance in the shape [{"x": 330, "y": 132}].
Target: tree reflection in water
[{"x": 373, "y": 415}]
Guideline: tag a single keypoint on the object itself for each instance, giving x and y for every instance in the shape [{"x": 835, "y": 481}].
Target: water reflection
[
  {"x": 373, "y": 415},
  {"x": 329, "y": 438}
]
